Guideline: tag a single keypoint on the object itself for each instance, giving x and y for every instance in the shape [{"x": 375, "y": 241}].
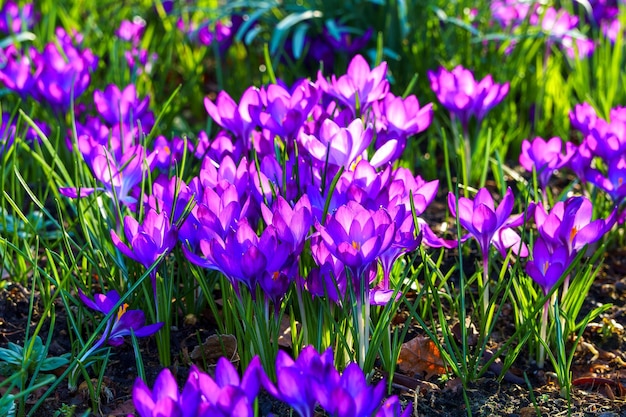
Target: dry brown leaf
[
  {"x": 284, "y": 337},
  {"x": 214, "y": 347},
  {"x": 421, "y": 356}
]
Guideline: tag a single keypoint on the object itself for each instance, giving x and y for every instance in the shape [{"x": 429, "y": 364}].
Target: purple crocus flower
[
  {"x": 298, "y": 380},
  {"x": 569, "y": 224},
  {"x": 328, "y": 279},
  {"x": 118, "y": 326},
  {"x": 64, "y": 74},
  {"x": 339, "y": 146},
  {"x": 583, "y": 118},
  {"x": 119, "y": 178},
  {"x": 404, "y": 116},
  {"x": 360, "y": 87},
  {"x": 148, "y": 241},
  {"x": 511, "y": 13},
  {"x": 164, "y": 399},
  {"x": 224, "y": 395},
  {"x": 545, "y": 157},
  {"x": 489, "y": 225},
  {"x": 357, "y": 236},
  {"x": 123, "y": 106},
  {"x": 285, "y": 111},
  {"x": 232, "y": 116},
  {"x": 613, "y": 182},
  {"x": 227, "y": 394},
  {"x": 15, "y": 18},
  {"x": 20, "y": 70},
  {"x": 292, "y": 224},
  {"x": 131, "y": 31},
  {"x": 459, "y": 92},
  {"x": 121, "y": 324},
  {"x": 581, "y": 161},
  {"x": 261, "y": 260},
  {"x": 548, "y": 264},
  {"x": 349, "y": 395}
]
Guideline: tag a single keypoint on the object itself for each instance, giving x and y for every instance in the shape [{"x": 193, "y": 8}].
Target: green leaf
[
  {"x": 20, "y": 37},
  {"x": 246, "y": 27},
  {"x": 333, "y": 29},
  {"x": 16, "y": 348},
  {"x": 299, "y": 36},
  {"x": 284, "y": 25},
  {"x": 10, "y": 356},
  {"x": 50, "y": 364}
]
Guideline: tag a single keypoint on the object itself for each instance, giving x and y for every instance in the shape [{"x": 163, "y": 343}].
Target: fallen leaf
[
  {"x": 284, "y": 337},
  {"x": 421, "y": 355},
  {"x": 214, "y": 347}
]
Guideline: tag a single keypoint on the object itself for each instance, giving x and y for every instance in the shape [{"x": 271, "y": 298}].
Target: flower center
[
  {"x": 573, "y": 233},
  {"x": 356, "y": 245},
  {"x": 355, "y": 162},
  {"x": 122, "y": 310},
  {"x": 275, "y": 275},
  {"x": 546, "y": 264}
]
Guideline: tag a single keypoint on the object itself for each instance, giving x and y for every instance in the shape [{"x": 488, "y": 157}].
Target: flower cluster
[
  {"x": 558, "y": 26},
  {"x": 463, "y": 97},
  {"x": 311, "y": 380}
]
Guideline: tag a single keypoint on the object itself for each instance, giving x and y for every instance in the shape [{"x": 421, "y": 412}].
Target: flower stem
[
  {"x": 542, "y": 334},
  {"x": 485, "y": 283}
]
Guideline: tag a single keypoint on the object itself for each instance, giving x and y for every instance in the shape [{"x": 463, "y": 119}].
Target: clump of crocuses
[
  {"x": 562, "y": 233},
  {"x": 309, "y": 382}
]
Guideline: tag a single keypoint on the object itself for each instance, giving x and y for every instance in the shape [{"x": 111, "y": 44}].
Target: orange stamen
[{"x": 122, "y": 311}]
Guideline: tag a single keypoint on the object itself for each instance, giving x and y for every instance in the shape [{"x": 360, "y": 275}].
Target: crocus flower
[
  {"x": 360, "y": 87},
  {"x": 131, "y": 31},
  {"x": 357, "y": 236},
  {"x": 607, "y": 139},
  {"x": 328, "y": 279},
  {"x": 583, "y": 118},
  {"x": 547, "y": 266},
  {"x": 225, "y": 395},
  {"x": 20, "y": 70},
  {"x": 122, "y": 106},
  {"x": 149, "y": 240},
  {"x": 259, "y": 260},
  {"x": 164, "y": 399},
  {"x": 64, "y": 74},
  {"x": 121, "y": 324},
  {"x": 118, "y": 325},
  {"x": 339, "y": 146},
  {"x": 463, "y": 97},
  {"x": 119, "y": 179},
  {"x": 232, "y": 116},
  {"x": 404, "y": 116},
  {"x": 14, "y": 18},
  {"x": 614, "y": 182},
  {"x": 545, "y": 157},
  {"x": 349, "y": 395},
  {"x": 292, "y": 224},
  {"x": 549, "y": 263},
  {"x": 285, "y": 111},
  {"x": 569, "y": 224},
  {"x": 487, "y": 224},
  {"x": 298, "y": 380}
]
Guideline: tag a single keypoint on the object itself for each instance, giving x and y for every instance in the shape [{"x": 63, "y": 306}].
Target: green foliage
[{"x": 29, "y": 359}]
